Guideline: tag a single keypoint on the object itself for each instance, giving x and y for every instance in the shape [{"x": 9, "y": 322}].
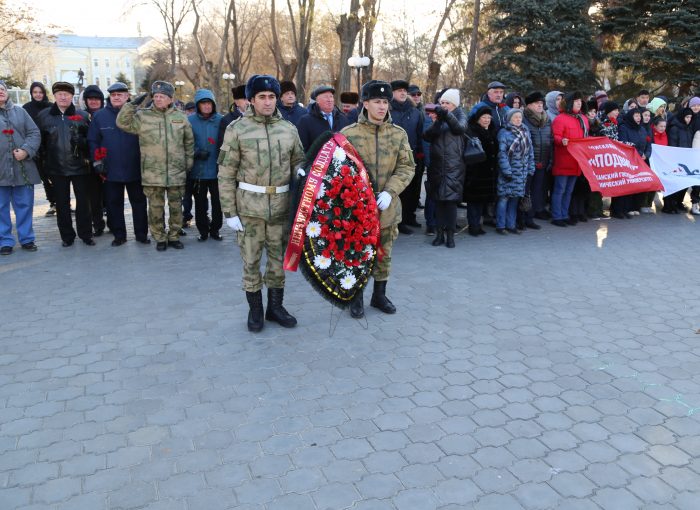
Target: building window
[
  {"x": 95, "y": 62},
  {"x": 97, "y": 81},
  {"x": 127, "y": 63},
  {"x": 109, "y": 81},
  {"x": 107, "y": 63}
]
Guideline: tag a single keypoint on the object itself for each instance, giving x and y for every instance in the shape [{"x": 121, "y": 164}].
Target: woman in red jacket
[{"x": 568, "y": 125}]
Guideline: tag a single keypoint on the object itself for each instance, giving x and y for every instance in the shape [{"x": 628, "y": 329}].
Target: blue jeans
[
  {"x": 506, "y": 212},
  {"x": 561, "y": 196},
  {"x": 22, "y": 200}
]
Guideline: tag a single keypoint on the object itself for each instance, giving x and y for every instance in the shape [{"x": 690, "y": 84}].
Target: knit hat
[
  {"x": 610, "y": 106},
  {"x": 93, "y": 91},
  {"x": 63, "y": 86},
  {"x": 287, "y": 86},
  {"x": 3, "y": 85},
  {"x": 695, "y": 101},
  {"x": 451, "y": 96},
  {"x": 399, "y": 84},
  {"x": 162, "y": 87},
  {"x": 534, "y": 97},
  {"x": 261, "y": 83},
  {"x": 238, "y": 92},
  {"x": 512, "y": 112},
  {"x": 349, "y": 97},
  {"x": 376, "y": 89},
  {"x": 320, "y": 90}
]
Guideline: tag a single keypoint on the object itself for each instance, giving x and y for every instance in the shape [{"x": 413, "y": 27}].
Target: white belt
[{"x": 270, "y": 190}]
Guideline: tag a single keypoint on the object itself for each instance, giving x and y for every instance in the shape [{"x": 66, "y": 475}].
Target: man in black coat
[
  {"x": 323, "y": 116},
  {"x": 287, "y": 104},
  {"x": 39, "y": 102},
  {"x": 94, "y": 100},
  {"x": 405, "y": 114}
]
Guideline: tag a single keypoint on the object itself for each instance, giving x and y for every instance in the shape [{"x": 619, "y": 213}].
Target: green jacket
[
  {"x": 259, "y": 150},
  {"x": 387, "y": 155},
  {"x": 166, "y": 141}
]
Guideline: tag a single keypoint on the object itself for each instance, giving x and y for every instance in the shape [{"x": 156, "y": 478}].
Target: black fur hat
[
  {"x": 261, "y": 83},
  {"x": 534, "y": 97},
  {"x": 376, "y": 89},
  {"x": 287, "y": 86},
  {"x": 399, "y": 84},
  {"x": 349, "y": 97},
  {"x": 238, "y": 92}
]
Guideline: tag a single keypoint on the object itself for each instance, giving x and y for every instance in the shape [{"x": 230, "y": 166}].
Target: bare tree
[
  {"x": 370, "y": 15},
  {"x": 245, "y": 26},
  {"x": 473, "y": 46},
  {"x": 347, "y": 30},
  {"x": 302, "y": 41},
  {"x": 173, "y": 13},
  {"x": 287, "y": 70},
  {"x": 433, "y": 65},
  {"x": 23, "y": 59}
]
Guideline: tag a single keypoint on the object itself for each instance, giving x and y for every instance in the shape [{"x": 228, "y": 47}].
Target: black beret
[
  {"x": 349, "y": 97},
  {"x": 376, "y": 89},
  {"x": 238, "y": 92},
  {"x": 320, "y": 90},
  {"x": 63, "y": 86},
  {"x": 261, "y": 83},
  {"x": 399, "y": 84},
  {"x": 287, "y": 86},
  {"x": 534, "y": 97}
]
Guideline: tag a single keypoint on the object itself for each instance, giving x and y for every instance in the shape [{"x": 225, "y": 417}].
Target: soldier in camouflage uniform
[
  {"x": 387, "y": 155},
  {"x": 167, "y": 152},
  {"x": 256, "y": 164}
]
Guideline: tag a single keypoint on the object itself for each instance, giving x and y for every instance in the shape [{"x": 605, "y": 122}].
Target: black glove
[
  {"x": 201, "y": 155},
  {"x": 140, "y": 98},
  {"x": 441, "y": 113},
  {"x": 99, "y": 167}
]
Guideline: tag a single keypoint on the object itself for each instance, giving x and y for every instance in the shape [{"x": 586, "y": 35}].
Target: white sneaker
[
  {"x": 695, "y": 209},
  {"x": 646, "y": 210}
]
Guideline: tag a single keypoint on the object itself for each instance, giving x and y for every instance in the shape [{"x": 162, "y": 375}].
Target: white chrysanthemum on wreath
[
  {"x": 322, "y": 262},
  {"x": 321, "y": 191},
  {"x": 348, "y": 281},
  {"x": 339, "y": 154},
  {"x": 369, "y": 251},
  {"x": 313, "y": 229}
]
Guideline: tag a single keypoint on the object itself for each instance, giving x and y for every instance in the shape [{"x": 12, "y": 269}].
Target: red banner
[{"x": 613, "y": 168}]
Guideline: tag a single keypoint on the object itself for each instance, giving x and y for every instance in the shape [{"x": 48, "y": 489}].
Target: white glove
[
  {"x": 235, "y": 223},
  {"x": 300, "y": 172},
  {"x": 383, "y": 200}
]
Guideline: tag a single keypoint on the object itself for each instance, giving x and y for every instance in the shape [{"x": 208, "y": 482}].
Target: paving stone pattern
[{"x": 553, "y": 370}]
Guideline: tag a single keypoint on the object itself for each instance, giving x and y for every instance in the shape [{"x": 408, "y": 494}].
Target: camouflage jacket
[
  {"x": 166, "y": 141},
  {"x": 388, "y": 157},
  {"x": 259, "y": 150}
]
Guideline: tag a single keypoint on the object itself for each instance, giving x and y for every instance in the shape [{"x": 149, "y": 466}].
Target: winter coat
[
  {"x": 353, "y": 115},
  {"x": 228, "y": 118},
  {"x": 166, "y": 141},
  {"x": 205, "y": 131},
  {"x": 123, "y": 159},
  {"x": 446, "y": 170},
  {"x": 680, "y": 134},
  {"x": 427, "y": 122},
  {"x": 635, "y": 134},
  {"x": 259, "y": 150},
  {"x": 542, "y": 139},
  {"x": 608, "y": 127},
  {"x": 498, "y": 112},
  {"x": 660, "y": 138},
  {"x": 410, "y": 118},
  {"x": 25, "y": 135},
  {"x": 480, "y": 182},
  {"x": 388, "y": 158},
  {"x": 64, "y": 146},
  {"x": 34, "y": 107},
  {"x": 513, "y": 167},
  {"x": 314, "y": 124},
  {"x": 292, "y": 113},
  {"x": 567, "y": 125},
  {"x": 550, "y": 101}
]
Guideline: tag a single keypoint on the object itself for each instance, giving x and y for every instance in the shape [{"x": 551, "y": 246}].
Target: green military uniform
[
  {"x": 259, "y": 151},
  {"x": 387, "y": 155},
  {"x": 167, "y": 152}
]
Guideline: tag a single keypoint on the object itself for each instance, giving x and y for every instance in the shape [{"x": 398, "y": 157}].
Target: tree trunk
[
  {"x": 431, "y": 85},
  {"x": 369, "y": 21},
  {"x": 433, "y": 66},
  {"x": 347, "y": 31},
  {"x": 473, "y": 46},
  {"x": 306, "y": 22}
]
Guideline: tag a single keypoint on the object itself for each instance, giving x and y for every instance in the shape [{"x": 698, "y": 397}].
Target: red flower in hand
[
  {"x": 76, "y": 118},
  {"x": 211, "y": 140},
  {"x": 100, "y": 153},
  {"x": 501, "y": 105},
  {"x": 8, "y": 132},
  {"x": 648, "y": 139}
]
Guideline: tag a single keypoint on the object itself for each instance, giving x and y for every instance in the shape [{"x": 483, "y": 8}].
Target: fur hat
[
  {"x": 287, "y": 86},
  {"x": 534, "y": 97},
  {"x": 349, "y": 97},
  {"x": 320, "y": 90},
  {"x": 376, "y": 89},
  {"x": 163, "y": 87},
  {"x": 512, "y": 112},
  {"x": 592, "y": 104},
  {"x": 610, "y": 106},
  {"x": 63, "y": 86},
  {"x": 483, "y": 110},
  {"x": 451, "y": 96},
  {"x": 399, "y": 84},
  {"x": 261, "y": 83},
  {"x": 238, "y": 92},
  {"x": 568, "y": 101},
  {"x": 93, "y": 91}
]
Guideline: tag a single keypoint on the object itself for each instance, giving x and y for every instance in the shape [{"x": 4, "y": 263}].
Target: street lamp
[
  {"x": 358, "y": 63},
  {"x": 228, "y": 78},
  {"x": 178, "y": 85}
]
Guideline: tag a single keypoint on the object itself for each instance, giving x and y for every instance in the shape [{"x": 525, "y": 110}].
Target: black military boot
[
  {"x": 439, "y": 237},
  {"x": 275, "y": 310},
  {"x": 255, "y": 315},
  {"x": 379, "y": 299},
  {"x": 357, "y": 306},
  {"x": 450, "y": 243}
]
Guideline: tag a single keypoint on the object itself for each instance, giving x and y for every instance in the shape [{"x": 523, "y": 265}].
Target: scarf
[
  {"x": 538, "y": 120},
  {"x": 521, "y": 145}
]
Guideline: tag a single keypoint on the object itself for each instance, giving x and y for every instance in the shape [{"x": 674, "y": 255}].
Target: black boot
[
  {"x": 450, "y": 243},
  {"x": 255, "y": 315},
  {"x": 275, "y": 310},
  {"x": 439, "y": 238},
  {"x": 379, "y": 299},
  {"x": 357, "y": 306}
]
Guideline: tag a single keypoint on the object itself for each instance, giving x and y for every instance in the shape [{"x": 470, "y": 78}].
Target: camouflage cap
[{"x": 162, "y": 87}]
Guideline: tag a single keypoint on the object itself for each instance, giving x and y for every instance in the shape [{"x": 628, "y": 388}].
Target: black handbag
[{"x": 473, "y": 150}]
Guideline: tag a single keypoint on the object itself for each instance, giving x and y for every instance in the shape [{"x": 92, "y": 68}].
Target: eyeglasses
[{"x": 417, "y": 94}]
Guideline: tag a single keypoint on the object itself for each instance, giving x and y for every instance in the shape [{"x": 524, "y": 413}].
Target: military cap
[
  {"x": 261, "y": 83},
  {"x": 376, "y": 89},
  {"x": 162, "y": 87}
]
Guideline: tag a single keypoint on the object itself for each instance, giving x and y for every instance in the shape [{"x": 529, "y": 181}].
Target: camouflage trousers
[
  {"x": 387, "y": 237},
  {"x": 156, "y": 211},
  {"x": 258, "y": 234}
]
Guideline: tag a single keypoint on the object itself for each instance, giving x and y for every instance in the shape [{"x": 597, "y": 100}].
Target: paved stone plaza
[{"x": 553, "y": 370}]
